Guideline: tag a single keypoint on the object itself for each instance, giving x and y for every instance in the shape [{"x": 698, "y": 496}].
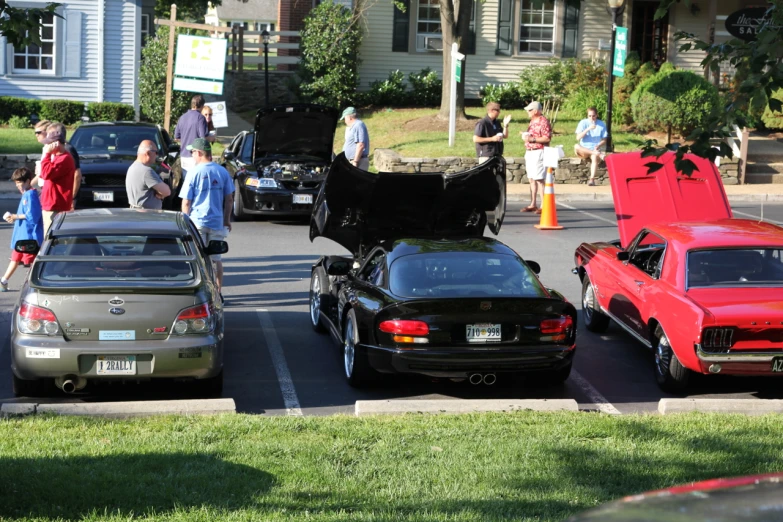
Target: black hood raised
[
  {"x": 358, "y": 209},
  {"x": 297, "y": 129}
]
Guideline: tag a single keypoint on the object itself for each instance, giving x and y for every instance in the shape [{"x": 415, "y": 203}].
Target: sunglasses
[{"x": 38, "y": 132}]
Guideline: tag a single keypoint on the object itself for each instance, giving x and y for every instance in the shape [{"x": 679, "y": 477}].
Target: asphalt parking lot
[{"x": 276, "y": 365}]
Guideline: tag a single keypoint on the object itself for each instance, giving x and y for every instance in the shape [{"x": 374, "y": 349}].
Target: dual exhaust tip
[{"x": 487, "y": 378}]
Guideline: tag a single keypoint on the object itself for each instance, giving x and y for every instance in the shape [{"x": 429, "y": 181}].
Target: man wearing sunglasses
[
  {"x": 489, "y": 134},
  {"x": 144, "y": 186},
  {"x": 591, "y": 133}
]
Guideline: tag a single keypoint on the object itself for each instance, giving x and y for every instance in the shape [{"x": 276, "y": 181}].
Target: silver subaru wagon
[{"x": 118, "y": 294}]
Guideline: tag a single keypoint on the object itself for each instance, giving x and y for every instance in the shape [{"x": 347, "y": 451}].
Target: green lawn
[
  {"x": 18, "y": 141},
  {"x": 519, "y": 466}
]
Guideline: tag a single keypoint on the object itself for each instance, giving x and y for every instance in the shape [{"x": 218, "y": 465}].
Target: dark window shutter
[
  {"x": 570, "y": 28},
  {"x": 470, "y": 47},
  {"x": 505, "y": 32},
  {"x": 401, "y": 28}
]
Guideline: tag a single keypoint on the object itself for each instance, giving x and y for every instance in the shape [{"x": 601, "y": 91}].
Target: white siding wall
[
  {"x": 121, "y": 50},
  {"x": 595, "y": 24},
  {"x": 680, "y": 19},
  {"x": 83, "y": 88}
]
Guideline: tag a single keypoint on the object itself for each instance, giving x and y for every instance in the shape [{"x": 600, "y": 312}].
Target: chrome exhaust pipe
[
  {"x": 475, "y": 378},
  {"x": 69, "y": 386},
  {"x": 490, "y": 379}
]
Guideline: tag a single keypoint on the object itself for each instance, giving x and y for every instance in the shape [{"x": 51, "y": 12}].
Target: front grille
[
  {"x": 299, "y": 185},
  {"x": 103, "y": 180},
  {"x": 717, "y": 340}
]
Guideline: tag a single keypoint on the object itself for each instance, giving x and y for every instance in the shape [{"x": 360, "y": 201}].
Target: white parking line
[
  {"x": 586, "y": 213},
  {"x": 594, "y": 395},
  {"x": 757, "y": 217},
  {"x": 290, "y": 399}
]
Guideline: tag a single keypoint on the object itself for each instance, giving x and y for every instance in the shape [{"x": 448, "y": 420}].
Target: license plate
[
  {"x": 777, "y": 365},
  {"x": 482, "y": 333},
  {"x": 116, "y": 365},
  {"x": 103, "y": 196},
  {"x": 306, "y": 199}
]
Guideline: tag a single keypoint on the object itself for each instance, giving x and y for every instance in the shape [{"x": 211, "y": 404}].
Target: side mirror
[
  {"x": 339, "y": 268},
  {"x": 217, "y": 247},
  {"x": 623, "y": 255},
  {"x": 228, "y": 155},
  {"x": 535, "y": 267},
  {"x": 174, "y": 147},
  {"x": 27, "y": 246}
]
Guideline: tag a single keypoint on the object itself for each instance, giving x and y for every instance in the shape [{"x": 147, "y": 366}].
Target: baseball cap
[
  {"x": 200, "y": 144},
  {"x": 53, "y": 136},
  {"x": 534, "y": 105},
  {"x": 347, "y": 112}
]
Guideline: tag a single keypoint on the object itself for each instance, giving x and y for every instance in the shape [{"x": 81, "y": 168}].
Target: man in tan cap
[{"x": 538, "y": 134}]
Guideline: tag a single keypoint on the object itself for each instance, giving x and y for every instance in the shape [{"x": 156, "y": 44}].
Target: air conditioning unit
[{"x": 433, "y": 43}]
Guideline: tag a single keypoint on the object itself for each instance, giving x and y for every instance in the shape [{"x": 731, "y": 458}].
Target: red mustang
[{"x": 702, "y": 290}]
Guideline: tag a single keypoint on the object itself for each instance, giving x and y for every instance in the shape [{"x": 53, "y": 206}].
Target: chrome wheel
[
  {"x": 595, "y": 320},
  {"x": 315, "y": 300},
  {"x": 671, "y": 375},
  {"x": 349, "y": 348},
  {"x": 588, "y": 302},
  {"x": 663, "y": 356}
]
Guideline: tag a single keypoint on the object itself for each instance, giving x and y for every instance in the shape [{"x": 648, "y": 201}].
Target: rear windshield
[
  {"x": 463, "y": 274},
  {"x": 139, "y": 258},
  {"x": 735, "y": 267},
  {"x": 125, "y": 140}
]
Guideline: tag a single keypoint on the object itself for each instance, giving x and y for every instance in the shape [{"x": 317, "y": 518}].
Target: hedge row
[{"x": 64, "y": 111}]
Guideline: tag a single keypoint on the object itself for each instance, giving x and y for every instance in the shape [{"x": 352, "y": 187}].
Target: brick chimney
[{"x": 290, "y": 16}]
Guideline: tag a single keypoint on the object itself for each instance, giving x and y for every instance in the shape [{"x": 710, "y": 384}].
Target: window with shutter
[
  {"x": 37, "y": 59},
  {"x": 570, "y": 28},
  {"x": 505, "y": 40},
  {"x": 401, "y": 28}
]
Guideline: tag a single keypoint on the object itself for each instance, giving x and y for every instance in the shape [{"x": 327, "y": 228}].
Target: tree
[
  {"x": 21, "y": 26},
  {"x": 455, "y": 27},
  {"x": 759, "y": 66}
]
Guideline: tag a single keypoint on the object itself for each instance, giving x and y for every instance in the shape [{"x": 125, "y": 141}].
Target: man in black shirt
[{"x": 489, "y": 134}]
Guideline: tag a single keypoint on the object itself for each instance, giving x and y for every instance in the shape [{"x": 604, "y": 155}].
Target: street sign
[
  {"x": 199, "y": 57},
  {"x": 458, "y": 70},
  {"x": 620, "y": 51}
]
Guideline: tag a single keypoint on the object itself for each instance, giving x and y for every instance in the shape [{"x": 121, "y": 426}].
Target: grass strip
[{"x": 519, "y": 466}]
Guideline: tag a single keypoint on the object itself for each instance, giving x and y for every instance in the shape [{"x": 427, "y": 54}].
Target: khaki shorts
[
  {"x": 210, "y": 234},
  {"x": 534, "y": 165}
]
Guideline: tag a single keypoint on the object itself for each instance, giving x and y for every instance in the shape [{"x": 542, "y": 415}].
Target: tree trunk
[{"x": 455, "y": 27}]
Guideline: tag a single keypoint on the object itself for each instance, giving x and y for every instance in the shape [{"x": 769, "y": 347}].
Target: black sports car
[
  {"x": 279, "y": 167},
  {"x": 425, "y": 292},
  {"x": 107, "y": 149}
]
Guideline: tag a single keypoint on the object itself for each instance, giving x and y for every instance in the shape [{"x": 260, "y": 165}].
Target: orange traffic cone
[{"x": 548, "y": 208}]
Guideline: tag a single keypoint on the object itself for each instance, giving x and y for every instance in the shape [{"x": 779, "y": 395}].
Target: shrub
[
  {"x": 389, "y": 92},
  {"x": 680, "y": 100},
  {"x": 427, "y": 88},
  {"x": 13, "y": 106},
  {"x": 666, "y": 67},
  {"x": 111, "y": 111},
  {"x": 552, "y": 82},
  {"x": 584, "y": 75},
  {"x": 19, "y": 122},
  {"x": 647, "y": 70},
  {"x": 632, "y": 64},
  {"x": 152, "y": 82},
  {"x": 621, "y": 100},
  {"x": 773, "y": 120},
  {"x": 65, "y": 111},
  {"x": 506, "y": 94},
  {"x": 329, "y": 48},
  {"x": 579, "y": 101}
]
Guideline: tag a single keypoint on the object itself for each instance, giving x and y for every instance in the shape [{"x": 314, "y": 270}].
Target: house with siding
[
  {"x": 90, "y": 52},
  {"x": 253, "y": 15},
  {"x": 508, "y": 35}
]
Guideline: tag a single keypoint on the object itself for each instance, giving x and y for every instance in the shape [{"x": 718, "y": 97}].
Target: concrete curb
[
  {"x": 607, "y": 198},
  {"x": 742, "y": 406},
  {"x": 124, "y": 409},
  {"x": 397, "y": 407}
]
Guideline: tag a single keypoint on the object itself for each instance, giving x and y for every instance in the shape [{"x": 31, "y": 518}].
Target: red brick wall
[{"x": 291, "y": 15}]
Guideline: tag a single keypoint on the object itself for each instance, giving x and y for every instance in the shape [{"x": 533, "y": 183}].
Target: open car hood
[
  {"x": 665, "y": 196},
  {"x": 358, "y": 209},
  {"x": 296, "y": 129}
]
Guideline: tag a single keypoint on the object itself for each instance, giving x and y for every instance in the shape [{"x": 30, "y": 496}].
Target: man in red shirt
[
  {"x": 57, "y": 170},
  {"x": 538, "y": 134}
]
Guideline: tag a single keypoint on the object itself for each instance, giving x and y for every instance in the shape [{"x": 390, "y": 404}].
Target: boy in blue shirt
[
  {"x": 28, "y": 222},
  {"x": 591, "y": 134}
]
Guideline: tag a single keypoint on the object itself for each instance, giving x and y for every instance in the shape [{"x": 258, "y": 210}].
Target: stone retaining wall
[
  {"x": 569, "y": 170},
  {"x": 10, "y": 162}
]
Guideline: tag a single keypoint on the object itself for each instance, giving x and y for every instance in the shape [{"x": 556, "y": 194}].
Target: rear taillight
[
  {"x": 199, "y": 319},
  {"x": 559, "y": 327},
  {"x": 406, "y": 331},
  {"x": 717, "y": 339},
  {"x": 36, "y": 320}
]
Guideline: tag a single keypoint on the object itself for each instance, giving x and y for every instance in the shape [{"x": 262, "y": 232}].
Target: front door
[{"x": 648, "y": 35}]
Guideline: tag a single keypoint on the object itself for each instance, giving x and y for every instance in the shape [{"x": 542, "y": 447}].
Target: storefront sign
[
  {"x": 745, "y": 23},
  {"x": 620, "y": 51}
]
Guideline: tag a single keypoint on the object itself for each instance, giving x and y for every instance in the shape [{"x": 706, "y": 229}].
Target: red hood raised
[{"x": 665, "y": 196}]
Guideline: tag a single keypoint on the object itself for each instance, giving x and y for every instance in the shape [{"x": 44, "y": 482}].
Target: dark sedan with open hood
[
  {"x": 107, "y": 150},
  {"x": 279, "y": 167},
  {"x": 425, "y": 292}
]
